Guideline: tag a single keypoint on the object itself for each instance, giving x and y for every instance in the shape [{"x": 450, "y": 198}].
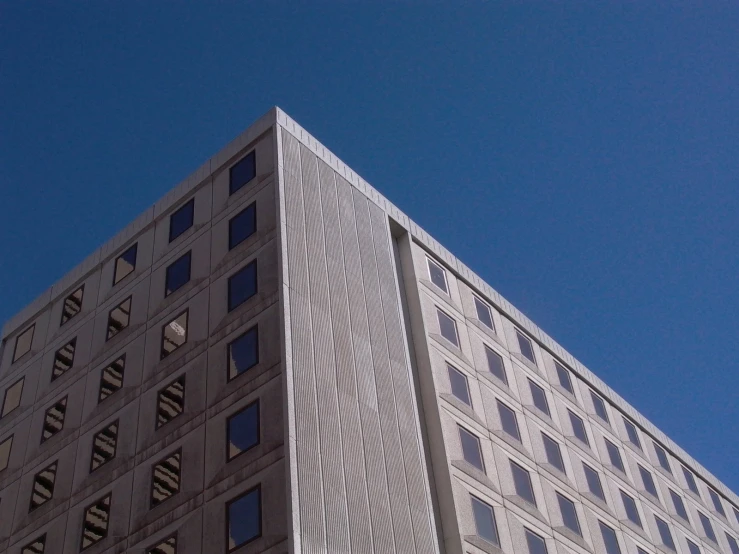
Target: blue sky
[{"x": 580, "y": 156}]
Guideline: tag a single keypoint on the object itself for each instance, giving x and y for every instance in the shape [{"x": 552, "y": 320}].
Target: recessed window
[
  {"x": 72, "y": 305},
  {"x": 119, "y": 318},
  {"x": 243, "y": 353},
  {"x": 437, "y": 275},
  {"x": 600, "y": 407},
  {"x": 539, "y": 397},
  {"x": 554, "y": 453},
  {"x": 664, "y": 533},
  {"x": 662, "y": 458},
  {"x": 522, "y": 483},
  {"x": 244, "y": 518},
  {"x": 43, "y": 486},
  {"x": 569, "y": 514},
  {"x": 12, "y": 398},
  {"x": 63, "y": 359},
  {"x": 447, "y": 327},
  {"x": 174, "y": 334},
  {"x": 181, "y": 220},
  {"x": 736, "y": 514},
  {"x": 111, "y": 378},
  {"x": 95, "y": 522},
  {"x": 733, "y": 545},
  {"x": 459, "y": 385},
  {"x": 716, "y": 501},
  {"x": 707, "y": 527},
  {"x": 610, "y": 540},
  {"x": 125, "y": 264},
  {"x": 471, "y": 448},
  {"x": 484, "y": 520},
  {"x": 690, "y": 480},
  {"x": 677, "y": 501},
  {"x": 527, "y": 349},
  {"x": 5, "y": 447},
  {"x": 631, "y": 510},
  {"x": 578, "y": 427},
  {"x": 37, "y": 546},
  {"x": 564, "y": 378},
  {"x": 242, "y": 285},
  {"x": 165, "y": 478},
  {"x": 495, "y": 364},
  {"x": 167, "y": 546},
  {"x": 508, "y": 421},
  {"x": 242, "y": 226},
  {"x": 593, "y": 479},
  {"x": 615, "y": 455},
  {"x": 484, "y": 314},
  {"x": 242, "y": 172},
  {"x": 242, "y": 430},
  {"x": 171, "y": 401},
  {"x": 54, "y": 419},
  {"x": 104, "y": 446},
  {"x": 178, "y": 274},
  {"x": 536, "y": 544},
  {"x": 632, "y": 433},
  {"x": 693, "y": 548},
  {"x": 648, "y": 481},
  {"x": 23, "y": 343}
]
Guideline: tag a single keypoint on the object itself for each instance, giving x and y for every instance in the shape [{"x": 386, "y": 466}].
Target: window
[
  {"x": 484, "y": 314},
  {"x": 535, "y": 543},
  {"x": 460, "y": 387},
  {"x": 615, "y": 455},
  {"x": 174, "y": 334},
  {"x": 554, "y": 453},
  {"x": 539, "y": 397},
  {"x": 677, "y": 501},
  {"x": 119, "y": 318},
  {"x": 569, "y": 514},
  {"x": 243, "y": 353},
  {"x": 471, "y": 448},
  {"x": 690, "y": 480},
  {"x": 564, "y": 378},
  {"x": 72, "y": 305},
  {"x": 23, "y": 343},
  {"x": 610, "y": 540},
  {"x": 508, "y": 421},
  {"x": 437, "y": 275},
  {"x": 447, "y": 327},
  {"x": 178, "y": 274},
  {"x": 170, "y": 401},
  {"x": 12, "y": 399},
  {"x": 631, "y": 510},
  {"x": 104, "y": 445},
  {"x": 733, "y": 545},
  {"x": 181, "y": 220},
  {"x": 600, "y": 407},
  {"x": 165, "y": 479},
  {"x": 242, "y": 172},
  {"x": 707, "y": 527},
  {"x": 125, "y": 264},
  {"x": 495, "y": 364},
  {"x": 242, "y": 285},
  {"x": 648, "y": 481},
  {"x": 593, "y": 479},
  {"x": 736, "y": 514},
  {"x": 522, "y": 483},
  {"x": 716, "y": 501},
  {"x": 632, "y": 433},
  {"x": 43, "y": 486},
  {"x": 578, "y": 427},
  {"x": 524, "y": 344},
  {"x": 111, "y": 378},
  {"x": 37, "y": 546},
  {"x": 167, "y": 546},
  {"x": 662, "y": 457},
  {"x": 244, "y": 518},
  {"x": 95, "y": 522},
  {"x": 664, "y": 533},
  {"x": 242, "y": 431},
  {"x": 54, "y": 419},
  {"x": 484, "y": 520},
  {"x": 5, "y": 446},
  {"x": 63, "y": 359},
  {"x": 693, "y": 548},
  {"x": 242, "y": 226}
]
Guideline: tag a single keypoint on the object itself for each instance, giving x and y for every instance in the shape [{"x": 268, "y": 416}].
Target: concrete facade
[{"x": 403, "y": 405}]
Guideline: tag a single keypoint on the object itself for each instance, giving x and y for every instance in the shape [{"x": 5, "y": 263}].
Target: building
[{"x": 274, "y": 358}]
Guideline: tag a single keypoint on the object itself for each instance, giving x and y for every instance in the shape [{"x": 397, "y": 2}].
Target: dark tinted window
[
  {"x": 165, "y": 479},
  {"x": 664, "y": 533},
  {"x": 95, "y": 522},
  {"x": 484, "y": 314},
  {"x": 37, "y": 546},
  {"x": 632, "y": 433},
  {"x": 111, "y": 378},
  {"x": 242, "y": 430},
  {"x": 63, "y": 359},
  {"x": 12, "y": 398},
  {"x": 733, "y": 545},
  {"x": 677, "y": 501},
  {"x": 554, "y": 454},
  {"x": 593, "y": 479},
  {"x": 23, "y": 343},
  {"x": 5, "y": 447},
  {"x": 564, "y": 378},
  {"x": 508, "y": 421},
  {"x": 539, "y": 397},
  {"x": 693, "y": 548},
  {"x": 243, "y": 353},
  {"x": 167, "y": 546},
  {"x": 615, "y": 455},
  {"x": 54, "y": 419},
  {"x": 648, "y": 481},
  {"x": 447, "y": 327},
  {"x": 43, "y": 486},
  {"x": 535, "y": 543},
  {"x": 600, "y": 406},
  {"x": 569, "y": 514},
  {"x": 716, "y": 499},
  {"x": 460, "y": 387},
  {"x": 242, "y": 172},
  {"x": 242, "y": 285},
  {"x": 578, "y": 427},
  {"x": 72, "y": 305},
  {"x": 707, "y": 527},
  {"x": 119, "y": 318},
  {"x": 174, "y": 334},
  {"x": 244, "y": 518},
  {"x": 181, "y": 220},
  {"x": 524, "y": 344},
  {"x": 178, "y": 274},
  {"x": 242, "y": 226},
  {"x": 437, "y": 275},
  {"x": 662, "y": 457},
  {"x": 104, "y": 445},
  {"x": 471, "y": 449},
  {"x": 522, "y": 483},
  {"x": 630, "y": 507},
  {"x": 171, "y": 401},
  {"x": 610, "y": 540},
  {"x": 484, "y": 520},
  {"x": 690, "y": 480},
  {"x": 495, "y": 364},
  {"x": 125, "y": 264}
]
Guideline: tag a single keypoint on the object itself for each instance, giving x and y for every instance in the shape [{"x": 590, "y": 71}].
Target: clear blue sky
[{"x": 584, "y": 160}]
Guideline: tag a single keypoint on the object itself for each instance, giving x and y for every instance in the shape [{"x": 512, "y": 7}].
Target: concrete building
[{"x": 274, "y": 358}]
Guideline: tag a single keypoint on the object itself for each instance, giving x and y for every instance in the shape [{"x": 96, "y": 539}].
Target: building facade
[{"x": 274, "y": 358}]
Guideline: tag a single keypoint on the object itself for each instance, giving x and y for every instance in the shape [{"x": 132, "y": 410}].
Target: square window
[
  {"x": 242, "y": 172},
  {"x": 174, "y": 334},
  {"x": 539, "y": 397},
  {"x": 43, "y": 486},
  {"x": 593, "y": 479},
  {"x": 5, "y": 447},
  {"x": 690, "y": 480},
  {"x": 104, "y": 445},
  {"x": 437, "y": 275},
  {"x": 631, "y": 510},
  {"x": 242, "y": 226},
  {"x": 23, "y": 343},
  {"x": 522, "y": 483},
  {"x": 527, "y": 349},
  {"x": 484, "y": 314},
  {"x": 707, "y": 527},
  {"x": 242, "y": 285},
  {"x": 72, "y": 305},
  {"x": 63, "y": 359},
  {"x": 610, "y": 540},
  {"x": 37, "y": 546},
  {"x": 471, "y": 448},
  {"x": 554, "y": 453},
  {"x": 54, "y": 419},
  {"x": 167, "y": 546},
  {"x": 716, "y": 501},
  {"x": 165, "y": 478},
  {"x": 484, "y": 520},
  {"x": 495, "y": 364},
  {"x": 243, "y": 353},
  {"x": 664, "y": 533},
  {"x": 578, "y": 427},
  {"x": 677, "y": 501},
  {"x": 119, "y": 318},
  {"x": 632, "y": 433},
  {"x": 508, "y": 421},
  {"x": 95, "y": 522},
  {"x": 600, "y": 407},
  {"x": 244, "y": 518},
  {"x": 615, "y": 456},
  {"x": 242, "y": 431},
  {"x": 125, "y": 264},
  {"x": 569, "y": 514},
  {"x": 459, "y": 385},
  {"x": 662, "y": 457},
  {"x": 181, "y": 220},
  {"x": 111, "y": 378},
  {"x": 447, "y": 327},
  {"x": 648, "y": 481},
  {"x": 693, "y": 548},
  {"x": 564, "y": 378},
  {"x": 535, "y": 543},
  {"x": 733, "y": 545},
  {"x": 178, "y": 274},
  {"x": 13, "y": 395},
  {"x": 170, "y": 401}
]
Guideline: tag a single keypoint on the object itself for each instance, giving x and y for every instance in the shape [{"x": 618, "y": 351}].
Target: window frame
[
  {"x": 665, "y": 532},
  {"x": 527, "y": 474},
  {"x": 55, "y": 466},
  {"x": 462, "y": 431},
  {"x": 503, "y": 376},
  {"x": 491, "y": 510},
  {"x": 520, "y": 335},
  {"x": 189, "y": 204},
  {"x": 503, "y": 406},
  {"x": 233, "y": 189},
  {"x": 121, "y": 358},
  {"x": 162, "y": 354},
  {"x": 231, "y": 244},
  {"x": 545, "y": 437},
  {"x": 65, "y": 400},
  {"x": 531, "y": 535},
  {"x": 481, "y": 303},
  {"x": 16, "y": 356},
  {"x": 227, "y": 519},
  {"x": 632, "y": 432},
  {"x": 679, "y": 504},
  {"x": 63, "y": 321},
  {"x": 562, "y": 371},
  {"x": 429, "y": 263},
  {"x": 9, "y": 438},
  {"x": 167, "y": 291},
  {"x": 439, "y": 313},
  {"x": 108, "y": 336},
  {"x": 644, "y": 471},
  {"x": 632, "y": 503},
  {"x": 535, "y": 386},
  {"x": 109, "y": 497},
  {"x": 73, "y": 344},
  {"x": 157, "y": 424},
  {"x": 255, "y": 329},
  {"x": 3, "y": 413},
  {"x": 231, "y": 307},
  {"x": 707, "y": 526},
  {"x": 599, "y": 404},
  {"x": 662, "y": 459},
  {"x": 691, "y": 482},
  {"x": 152, "y": 503},
  {"x": 451, "y": 369},
  {"x": 256, "y": 402},
  {"x": 574, "y": 417},
  {"x": 718, "y": 506},
  {"x": 27, "y": 548},
  {"x": 117, "y": 423},
  {"x": 571, "y": 503},
  {"x": 615, "y": 450},
  {"x": 153, "y": 547},
  {"x": 589, "y": 470},
  {"x": 612, "y": 533},
  {"x": 135, "y": 248}
]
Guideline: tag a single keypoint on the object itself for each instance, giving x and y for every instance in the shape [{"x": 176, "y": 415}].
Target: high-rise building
[{"x": 274, "y": 358}]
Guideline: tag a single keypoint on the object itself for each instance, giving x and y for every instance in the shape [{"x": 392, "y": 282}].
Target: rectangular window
[
  {"x": 37, "y": 546},
  {"x": 578, "y": 427},
  {"x": 632, "y": 433},
  {"x": 119, "y": 318},
  {"x": 244, "y": 518},
  {"x": 593, "y": 479},
  {"x": 527, "y": 349},
  {"x": 471, "y": 448},
  {"x": 125, "y": 264},
  {"x": 104, "y": 445},
  {"x": 484, "y": 520},
  {"x": 242, "y": 226},
  {"x": 165, "y": 478},
  {"x": 174, "y": 334},
  {"x": 564, "y": 378},
  {"x": 111, "y": 378},
  {"x": 54, "y": 419},
  {"x": 95, "y": 522},
  {"x": 569, "y": 514},
  {"x": 600, "y": 407},
  {"x": 508, "y": 421},
  {"x": 495, "y": 364},
  {"x": 5, "y": 447},
  {"x": 178, "y": 274},
  {"x": 23, "y": 343},
  {"x": 437, "y": 275},
  {"x": 690, "y": 480},
  {"x": 167, "y": 546},
  {"x": 648, "y": 481},
  {"x": 707, "y": 527},
  {"x": 615, "y": 455},
  {"x": 43, "y": 486},
  {"x": 170, "y": 401},
  {"x": 63, "y": 359},
  {"x": 665, "y": 534},
  {"x": 539, "y": 397},
  {"x": 181, "y": 220},
  {"x": 484, "y": 314},
  {"x": 459, "y": 385},
  {"x": 693, "y": 548},
  {"x": 662, "y": 457},
  {"x": 610, "y": 540},
  {"x": 447, "y": 327},
  {"x": 243, "y": 353},
  {"x": 12, "y": 398},
  {"x": 522, "y": 483},
  {"x": 242, "y": 285},
  {"x": 72, "y": 305},
  {"x": 677, "y": 501},
  {"x": 733, "y": 545},
  {"x": 630, "y": 507},
  {"x": 536, "y": 544},
  {"x": 242, "y": 431},
  {"x": 242, "y": 172},
  {"x": 554, "y": 453},
  {"x": 716, "y": 499}
]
